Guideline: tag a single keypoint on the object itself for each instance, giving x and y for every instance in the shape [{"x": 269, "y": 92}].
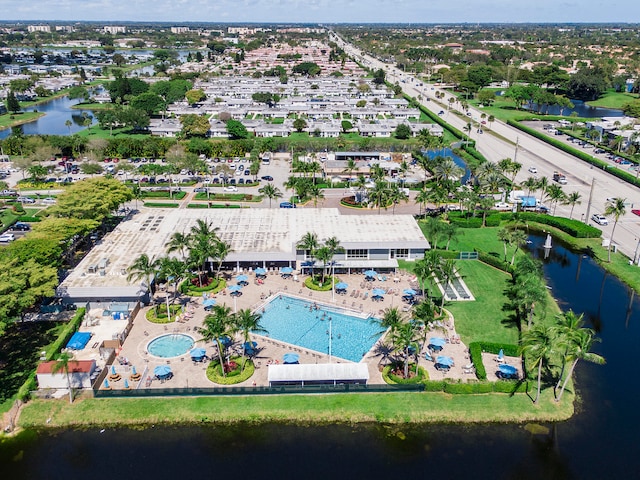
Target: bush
[
  {"x": 434, "y": 386},
  {"x": 27, "y": 218},
  {"x": 158, "y": 314},
  {"x": 161, "y": 205},
  {"x": 65, "y": 335},
  {"x": 193, "y": 290},
  {"x": 312, "y": 283},
  {"x": 234, "y": 375},
  {"x": 392, "y": 374},
  {"x": 510, "y": 386},
  {"x": 468, "y": 388},
  {"x": 476, "y": 349}
]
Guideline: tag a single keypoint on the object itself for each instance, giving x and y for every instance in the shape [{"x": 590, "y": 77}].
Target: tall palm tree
[
  {"x": 309, "y": 243},
  {"x": 450, "y": 232},
  {"x": 62, "y": 365},
  {"x": 537, "y": 344},
  {"x": 405, "y": 339},
  {"x": 447, "y": 169},
  {"x": 379, "y": 195},
  {"x": 174, "y": 271},
  {"x": 143, "y": 268},
  {"x": 422, "y": 198},
  {"x": 248, "y": 322},
  {"x": 568, "y": 326},
  {"x": 580, "y": 349},
  {"x": 324, "y": 255},
  {"x": 530, "y": 184},
  {"x": 396, "y": 195},
  {"x": 616, "y": 208},
  {"x": 573, "y": 199},
  {"x": 178, "y": 241},
  {"x": 448, "y": 270},
  {"x": 504, "y": 235},
  {"x": 270, "y": 191},
  {"x": 316, "y": 193},
  {"x": 519, "y": 239},
  {"x": 351, "y": 167},
  {"x": 555, "y": 194},
  {"x": 391, "y": 319},
  {"x": 219, "y": 252},
  {"x": 215, "y": 326}
]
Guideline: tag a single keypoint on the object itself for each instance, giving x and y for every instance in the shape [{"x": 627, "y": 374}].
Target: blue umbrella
[
  {"x": 286, "y": 270},
  {"x": 428, "y": 356},
  {"x": 250, "y": 347},
  {"x": 437, "y": 342},
  {"x": 197, "y": 352},
  {"x": 126, "y": 383},
  {"x": 508, "y": 369},
  {"x": 242, "y": 278},
  {"x": 370, "y": 273},
  {"x": 209, "y": 302},
  {"x": 378, "y": 292},
  {"x": 113, "y": 370},
  {"x": 409, "y": 291},
  {"x": 106, "y": 383},
  {"x": 133, "y": 370},
  {"x": 444, "y": 360},
  {"x": 341, "y": 286},
  {"x": 225, "y": 341},
  {"x": 260, "y": 271},
  {"x": 290, "y": 358},
  {"x": 162, "y": 370},
  {"x": 234, "y": 288}
]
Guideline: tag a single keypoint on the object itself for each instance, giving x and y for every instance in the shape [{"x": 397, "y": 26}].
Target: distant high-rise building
[
  {"x": 39, "y": 28},
  {"x": 179, "y": 29},
  {"x": 113, "y": 29}
]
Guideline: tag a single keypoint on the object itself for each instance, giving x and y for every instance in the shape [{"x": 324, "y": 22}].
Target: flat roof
[
  {"x": 318, "y": 372},
  {"x": 255, "y": 234}
]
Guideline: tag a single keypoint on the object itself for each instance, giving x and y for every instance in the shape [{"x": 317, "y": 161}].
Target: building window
[
  {"x": 400, "y": 253},
  {"x": 357, "y": 253}
]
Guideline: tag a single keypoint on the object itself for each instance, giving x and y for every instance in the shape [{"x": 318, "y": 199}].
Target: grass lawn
[
  {"x": 613, "y": 99},
  {"x": 338, "y": 408},
  {"x": 9, "y": 120}
]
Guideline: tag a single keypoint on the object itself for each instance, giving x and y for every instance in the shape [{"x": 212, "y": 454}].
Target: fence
[
  {"x": 468, "y": 256},
  {"x": 232, "y": 391}
]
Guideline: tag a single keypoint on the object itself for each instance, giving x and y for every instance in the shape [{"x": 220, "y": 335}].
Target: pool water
[
  {"x": 290, "y": 320},
  {"x": 172, "y": 345}
]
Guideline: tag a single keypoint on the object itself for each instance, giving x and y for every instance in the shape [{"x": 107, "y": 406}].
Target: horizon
[{"x": 324, "y": 11}]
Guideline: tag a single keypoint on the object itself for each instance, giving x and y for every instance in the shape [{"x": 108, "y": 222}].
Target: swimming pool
[
  {"x": 290, "y": 320},
  {"x": 172, "y": 345}
]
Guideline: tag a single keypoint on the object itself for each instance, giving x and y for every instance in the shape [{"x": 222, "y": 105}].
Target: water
[
  {"x": 599, "y": 442},
  {"x": 579, "y": 107},
  {"x": 291, "y": 320},
  {"x": 172, "y": 345},
  {"x": 447, "y": 152},
  {"x": 57, "y": 111}
]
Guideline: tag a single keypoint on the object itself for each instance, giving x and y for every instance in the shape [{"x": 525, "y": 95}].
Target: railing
[
  {"x": 276, "y": 390},
  {"x": 468, "y": 256}
]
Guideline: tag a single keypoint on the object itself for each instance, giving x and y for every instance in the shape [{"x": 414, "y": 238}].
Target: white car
[
  {"x": 48, "y": 201},
  {"x": 599, "y": 219},
  {"x": 533, "y": 170},
  {"x": 7, "y": 237},
  {"x": 230, "y": 188},
  {"x": 503, "y": 206}
]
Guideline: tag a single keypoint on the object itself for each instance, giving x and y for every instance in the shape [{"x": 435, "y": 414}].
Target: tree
[
  {"x": 173, "y": 271},
  {"x": 573, "y": 199},
  {"x": 486, "y": 97},
  {"x": 271, "y": 192},
  {"x": 195, "y": 96},
  {"x": 215, "y": 326},
  {"x": 614, "y": 207},
  {"x": 579, "y": 348},
  {"x": 178, "y": 241},
  {"x": 299, "y": 124},
  {"x": 143, "y": 268},
  {"x": 148, "y": 102},
  {"x": 248, "y": 322},
  {"x": 309, "y": 243},
  {"x": 13, "y": 105},
  {"x": 403, "y": 131},
  {"x": 379, "y": 77},
  {"x": 236, "y": 130},
  {"x": 62, "y": 365},
  {"x": 346, "y": 126},
  {"x": 310, "y": 69},
  {"x": 195, "y": 125},
  {"x": 537, "y": 344}
]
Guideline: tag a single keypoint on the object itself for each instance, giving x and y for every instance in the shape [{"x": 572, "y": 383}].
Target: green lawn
[
  {"x": 9, "y": 120},
  {"x": 613, "y": 99}
]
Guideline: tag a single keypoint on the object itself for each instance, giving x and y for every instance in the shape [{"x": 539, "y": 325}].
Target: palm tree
[
  {"x": 450, "y": 232},
  {"x": 579, "y": 349},
  {"x": 504, "y": 235},
  {"x": 616, "y": 208},
  {"x": 448, "y": 270},
  {"x": 62, "y": 365},
  {"x": 174, "y": 271},
  {"x": 308, "y": 243},
  {"x": 215, "y": 326},
  {"x": 447, "y": 169},
  {"x": 537, "y": 344},
  {"x": 519, "y": 239},
  {"x": 248, "y": 322},
  {"x": 270, "y": 191},
  {"x": 531, "y": 184},
  {"x": 573, "y": 199},
  {"x": 391, "y": 320},
  {"x": 379, "y": 195},
  {"x": 219, "y": 252},
  {"x": 556, "y": 194},
  {"x": 143, "y": 268},
  {"x": 405, "y": 337},
  {"x": 323, "y": 254},
  {"x": 422, "y": 198},
  {"x": 178, "y": 242},
  {"x": 395, "y": 196},
  {"x": 316, "y": 193},
  {"x": 351, "y": 167}
]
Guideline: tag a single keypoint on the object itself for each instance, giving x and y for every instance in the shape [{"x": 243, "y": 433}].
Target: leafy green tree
[
  {"x": 346, "y": 126},
  {"x": 13, "y": 105},
  {"x": 299, "y": 124},
  {"x": 486, "y": 97},
  {"x": 91, "y": 199},
  {"x": 236, "y": 130},
  {"x": 216, "y": 325},
  {"x": 403, "y": 131},
  {"x": 195, "y": 96},
  {"x": 271, "y": 192},
  {"x": 616, "y": 208},
  {"x": 193, "y": 125},
  {"x": 91, "y": 168},
  {"x": 379, "y": 77},
  {"x": 310, "y": 69},
  {"x": 148, "y": 102}
]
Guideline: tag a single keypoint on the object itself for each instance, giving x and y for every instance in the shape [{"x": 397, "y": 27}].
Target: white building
[
  {"x": 114, "y": 29},
  {"x": 80, "y": 372},
  {"x": 39, "y": 28}
]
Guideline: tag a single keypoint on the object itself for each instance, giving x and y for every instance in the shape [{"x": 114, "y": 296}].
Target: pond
[
  {"x": 57, "y": 112},
  {"x": 447, "y": 152},
  {"x": 579, "y": 107},
  {"x": 600, "y": 441}
]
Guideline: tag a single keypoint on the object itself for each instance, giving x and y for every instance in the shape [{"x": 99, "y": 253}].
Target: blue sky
[{"x": 355, "y": 11}]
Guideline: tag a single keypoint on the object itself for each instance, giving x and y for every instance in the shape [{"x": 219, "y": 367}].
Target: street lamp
[{"x": 330, "y": 338}]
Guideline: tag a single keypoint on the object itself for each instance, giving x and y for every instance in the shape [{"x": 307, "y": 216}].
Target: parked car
[
  {"x": 20, "y": 227},
  {"x": 48, "y": 201},
  {"x": 25, "y": 200},
  {"x": 9, "y": 193},
  {"x": 200, "y": 190},
  {"x": 503, "y": 206},
  {"x": 230, "y": 188},
  {"x": 533, "y": 169},
  {"x": 599, "y": 219},
  {"x": 287, "y": 205},
  {"x": 267, "y": 178},
  {"x": 636, "y": 212},
  {"x": 7, "y": 237}
]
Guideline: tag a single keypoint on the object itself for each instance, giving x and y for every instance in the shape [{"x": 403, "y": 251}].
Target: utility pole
[
  {"x": 593, "y": 182},
  {"x": 515, "y": 154}
]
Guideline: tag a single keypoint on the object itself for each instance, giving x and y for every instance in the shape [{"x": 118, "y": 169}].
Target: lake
[{"x": 600, "y": 441}]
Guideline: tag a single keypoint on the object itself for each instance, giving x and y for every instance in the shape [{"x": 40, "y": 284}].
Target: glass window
[{"x": 357, "y": 253}]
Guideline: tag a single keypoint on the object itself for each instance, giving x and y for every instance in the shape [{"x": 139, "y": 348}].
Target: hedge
[
  {"x": 214, "y": 373},
  {"x": 308, "y": 282},
  {"x": 622, "y": 174},
  {"x": 476, "y": 349},
  {"x": 476, "y": 387},
  {"x": 161, "y": 205},
  {"x": 496, "y": 262},
  {"x": 392, "y": 379},
  {"x": 214, "y": 287},
  {"x": 573, "y": 227},
  {"x": 163, "y": 194},
  {"x": 27, "y": 218},
  {"x": 464, "y": 220}
]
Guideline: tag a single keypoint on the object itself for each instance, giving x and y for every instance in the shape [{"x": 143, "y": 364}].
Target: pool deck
[{"x": 189, "y": 374}]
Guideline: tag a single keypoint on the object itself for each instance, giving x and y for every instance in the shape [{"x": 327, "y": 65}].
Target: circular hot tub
[{"x": 171, "y": 345}]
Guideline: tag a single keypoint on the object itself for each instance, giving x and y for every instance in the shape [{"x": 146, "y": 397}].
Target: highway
[{"x": 499, "y": 141}]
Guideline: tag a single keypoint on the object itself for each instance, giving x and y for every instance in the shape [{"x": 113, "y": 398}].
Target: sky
[{"x": 325, "y": 11}]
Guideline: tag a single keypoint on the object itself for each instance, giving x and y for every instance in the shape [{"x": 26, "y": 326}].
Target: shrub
[
  {"x": 234, "y": 373},
  {"x": 434, "y": 386},
  {"x": 193, "y": 290},
  {"x": 312, "y": 283},
  {"x": 392, "y": 374},
  {"x": 510, "y": 386},
  {"x": 27, "y": 218},
  {"x": 158, "y": 314},
  {"x": 468, "y": 388},
  {"x": 65, "y": 335},
  {"x": 161, "y": 205}
]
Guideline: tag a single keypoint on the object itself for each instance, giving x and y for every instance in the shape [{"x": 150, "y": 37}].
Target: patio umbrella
[
  {"x": 378, "y": 292},
  {"x": 444, "y": 360},
  {"x": 341, "y": 286},
  {"x": 290, "y": 358},
  {"x": 197, "y": 353},
  {"x": 409, "y": 291},
  {"x": 234, "y": 288},
  {"x": 126, "y": 384},
  {"x": 250, "y": 347},
  {"x": 106, "y": 383},
  {"x": 242, "y": 278},
  {"x": 437, "y": 341},
  {"x": 162, "y": 370},
  {"x": 209, "y": 302},
  {"x": 428, "y": 357},
  {"x": 370, "y": 273},
  {"x": 260, "y": 271},
  {"x": 286, "y": 270},
  {"x": 133, "y": 370},
  {"x": 507, "y": 369},
  {"x": 113, "y": 370},
  {"x": 225, "y": 341}
]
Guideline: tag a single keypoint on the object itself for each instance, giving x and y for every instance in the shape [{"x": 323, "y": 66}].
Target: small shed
[{"x": 80, "y": 372}]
